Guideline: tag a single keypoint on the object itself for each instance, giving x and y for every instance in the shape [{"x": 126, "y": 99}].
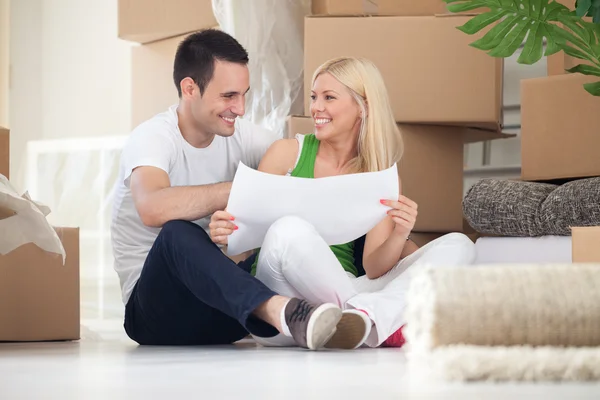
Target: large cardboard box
[
  {"x": 146, "y": 21},
  {"x": 431, "y": 172},
  {"x": 586, "y": 244},
  {"x": 560, "y": 125},
  {"x": 4, "y": 152},
  {"x": 378, "y": 7},
  {"x": 431, "y": 73},
  {"x": 39, "y": 296},
  {"x": 152, "y": 86}
]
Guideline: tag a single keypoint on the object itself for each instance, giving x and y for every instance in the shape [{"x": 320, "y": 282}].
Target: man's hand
[{"x": 221, "y": 226}]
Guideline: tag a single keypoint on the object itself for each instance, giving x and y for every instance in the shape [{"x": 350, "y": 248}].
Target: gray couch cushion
[
  {"x": 505, "y": 208},
  {"x": 515, "y": 208},
  {"x": 576, "y": 203}
]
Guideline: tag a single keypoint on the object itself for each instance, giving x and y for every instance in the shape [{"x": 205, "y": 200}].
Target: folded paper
[{"x": 341, "y": 208}]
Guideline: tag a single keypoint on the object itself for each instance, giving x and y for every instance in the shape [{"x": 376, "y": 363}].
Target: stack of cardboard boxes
[
  {"x": 158, "y": 26},
  {"x": 560, "y": 137},
  {"x": 443, "y": 92},
  {"x": 39, "y": 296}
]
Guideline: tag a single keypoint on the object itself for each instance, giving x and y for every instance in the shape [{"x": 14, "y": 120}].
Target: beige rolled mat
[{"x": 506, "y": 322}]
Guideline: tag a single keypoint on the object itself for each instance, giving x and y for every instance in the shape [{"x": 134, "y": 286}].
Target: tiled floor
[{"x": 106, "y": 365}]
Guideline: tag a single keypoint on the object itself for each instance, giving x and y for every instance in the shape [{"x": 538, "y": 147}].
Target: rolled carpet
[{"x": 506, "y": 322}]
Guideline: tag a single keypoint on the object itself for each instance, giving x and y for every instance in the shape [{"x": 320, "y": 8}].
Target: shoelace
[{"x": 301, "y": 311}]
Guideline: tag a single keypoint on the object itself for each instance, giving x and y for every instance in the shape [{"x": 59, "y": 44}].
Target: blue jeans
[{"x": 190, "y": 293}]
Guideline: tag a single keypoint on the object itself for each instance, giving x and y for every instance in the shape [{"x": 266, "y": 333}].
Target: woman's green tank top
[{"x": 305, "y": 168}]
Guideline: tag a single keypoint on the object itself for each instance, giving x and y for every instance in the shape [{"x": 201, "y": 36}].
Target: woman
[{"x": 355, "y": 132}]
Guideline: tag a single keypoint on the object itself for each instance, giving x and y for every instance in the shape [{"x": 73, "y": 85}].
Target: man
[{"x": 176, "y": 170}]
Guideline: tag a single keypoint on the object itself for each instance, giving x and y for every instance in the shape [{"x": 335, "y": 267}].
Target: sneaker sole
[
  {"x": 351, "y": 333},
  {"x": 322, "y": 325}
]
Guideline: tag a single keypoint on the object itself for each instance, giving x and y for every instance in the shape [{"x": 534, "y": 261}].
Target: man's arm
[{"x": 157, "y": 202}]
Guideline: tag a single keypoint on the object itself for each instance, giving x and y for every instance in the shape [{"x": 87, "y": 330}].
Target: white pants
[{"x": 295, "y": 261}]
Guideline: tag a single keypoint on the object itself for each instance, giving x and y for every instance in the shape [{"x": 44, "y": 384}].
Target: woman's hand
[
  {"x": 221, "y": 226},
  {"x": 403, "y": 213}
]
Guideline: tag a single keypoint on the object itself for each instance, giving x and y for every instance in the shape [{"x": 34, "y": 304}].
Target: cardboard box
[
  {"x": 145, "y": 21},
  {"x": 431, "y": 73},
  {"x": 378, "y": 7},
  {"x": 560, "y": 125},
  {"x": 4, "y": 152},
  {"x": 431, "y": 171},
  {"x": 586, "y": 244},
  {"x": 152, "y": 86},
  {"x": 422, "y": 238},
  {"x": 39, "y": 296}
]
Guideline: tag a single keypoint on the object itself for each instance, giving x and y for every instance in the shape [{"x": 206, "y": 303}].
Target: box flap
[{"x": 473, "y": 135}]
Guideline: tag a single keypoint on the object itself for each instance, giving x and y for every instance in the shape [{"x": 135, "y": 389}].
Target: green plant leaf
[
  {"x": 529, "y": 22},
  {"x": 583, "y": 7},
  {"x": 596, "y": 14},
  {"x": 481, "y": 21},
  {"x": 554, "y": 42},
  {"x": 514, "y": 21},
  {"x": 495, "y": 36},
  {"x": 593, "y": 88},
  {"x": 585, "y": 70},
  {"x": 573, "y": 52},
  {"x": 531, "y": 51}
]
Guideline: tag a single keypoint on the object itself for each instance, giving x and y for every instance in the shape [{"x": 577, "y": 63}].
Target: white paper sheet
[{"x": 341, "y": 208}]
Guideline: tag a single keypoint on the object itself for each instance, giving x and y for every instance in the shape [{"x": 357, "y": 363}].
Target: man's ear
[{"x": 188, "y": 87}]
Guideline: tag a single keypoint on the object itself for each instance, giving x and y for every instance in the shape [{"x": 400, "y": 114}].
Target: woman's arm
[{"x": 388, "y": 243}]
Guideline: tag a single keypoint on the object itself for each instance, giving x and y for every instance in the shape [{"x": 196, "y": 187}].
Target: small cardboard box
[
  {"x": 431, "y": 172},
  {"x": 560, "y": 125},
  {"x": 39, "y": 296},
  {"x": 586, "y": 244},
  {"x": 4, "y": 152},
  {"x": 432, "y": 74},
  {"x": 145, "y": 21},
  {"x": 378, "y": 7}
]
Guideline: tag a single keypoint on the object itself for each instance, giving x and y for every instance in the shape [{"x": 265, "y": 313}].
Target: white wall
[
  {"x": 25, "y": 92},
  {"x": 4, "y": 64},
  {"x": 70, "y": 73}
]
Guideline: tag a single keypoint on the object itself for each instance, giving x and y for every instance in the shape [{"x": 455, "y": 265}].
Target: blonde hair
[{"x": 380, "y": 144}]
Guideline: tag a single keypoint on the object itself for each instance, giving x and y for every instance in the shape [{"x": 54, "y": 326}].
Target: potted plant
[{"x": 532, "y": 21}]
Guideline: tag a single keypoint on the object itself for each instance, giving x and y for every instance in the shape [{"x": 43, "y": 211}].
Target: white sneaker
[{"x": 351, "y": 331}]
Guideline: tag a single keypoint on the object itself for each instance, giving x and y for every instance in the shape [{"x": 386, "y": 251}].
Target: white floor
[{"x": 106, "y": 365}]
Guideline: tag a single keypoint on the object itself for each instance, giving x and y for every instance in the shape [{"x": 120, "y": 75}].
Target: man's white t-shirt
[{"x": 158, "y": 143}]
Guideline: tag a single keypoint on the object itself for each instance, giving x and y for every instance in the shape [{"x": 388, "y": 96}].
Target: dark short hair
[{"x": 196, "y": 56}]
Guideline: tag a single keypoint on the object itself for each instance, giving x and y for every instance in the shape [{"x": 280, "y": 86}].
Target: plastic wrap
[{"x": 272, "y": 31}]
